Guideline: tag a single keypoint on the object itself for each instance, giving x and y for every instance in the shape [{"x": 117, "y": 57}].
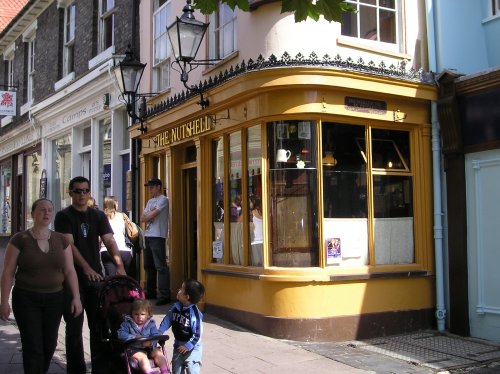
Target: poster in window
[
  {"x": 333, "y": 251},
  {"x": 282, "y": 131},
  {"x": 217, "y": 249},
  {"x": 304, "y": 130}
]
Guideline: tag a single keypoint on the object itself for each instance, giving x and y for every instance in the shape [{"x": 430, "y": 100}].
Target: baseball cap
[{"x": 153, "y": 182}]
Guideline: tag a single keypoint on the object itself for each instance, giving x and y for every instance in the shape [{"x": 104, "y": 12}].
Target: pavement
[{"x": 228, "y": 348}]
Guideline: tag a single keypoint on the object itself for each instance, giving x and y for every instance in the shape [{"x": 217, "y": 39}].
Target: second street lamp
[
  {"x": 185, "y": 36},
  {"x": 128, "y": 76}
]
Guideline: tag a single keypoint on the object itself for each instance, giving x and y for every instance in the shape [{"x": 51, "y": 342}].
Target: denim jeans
[
  {"x": 74, "y": 340},
  {"x": 38, "y": 316},
  {"x": 189, "y": 362},
  {"x": 155, "y": 264}
]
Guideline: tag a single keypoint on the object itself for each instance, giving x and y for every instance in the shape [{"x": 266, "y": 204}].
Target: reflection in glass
[
  {"x": 293, "y": 200},
  {"x": 392, "y": 198},
  {"x": 345, "y": 205},
  {"x": 104, "y": 156},
  {"x": 235, "y": 199},
  {"x": 255, "y": 195},
  {"x": 5, "y": 198},
  {"x": 33, "y": 174},
  {"x": 61, "y": 158},
  {"x": 218, "y": 200}
]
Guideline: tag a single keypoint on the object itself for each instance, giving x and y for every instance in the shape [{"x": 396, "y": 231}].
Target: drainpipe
[{"x": 436, "y": 167}]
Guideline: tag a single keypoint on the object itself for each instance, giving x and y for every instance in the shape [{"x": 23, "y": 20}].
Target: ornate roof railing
[{"x": 398, "y": 71}]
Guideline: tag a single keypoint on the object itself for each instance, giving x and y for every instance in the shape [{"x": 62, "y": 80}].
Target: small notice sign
[
  {"x": 217, "y": 249},
  {"x": 333, "y": 251},
  {"x": 7, "y": 103}
]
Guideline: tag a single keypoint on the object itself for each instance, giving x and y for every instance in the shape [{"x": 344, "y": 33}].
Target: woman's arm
[
  {"x": 72, "y": 281},
  {"x": 9, "y": 269}
]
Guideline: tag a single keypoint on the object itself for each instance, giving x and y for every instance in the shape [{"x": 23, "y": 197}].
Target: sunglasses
[{"x": 81, "y": 190}]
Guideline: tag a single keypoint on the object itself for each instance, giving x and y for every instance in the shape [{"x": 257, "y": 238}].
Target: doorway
[{"x": 190, "y": 222}]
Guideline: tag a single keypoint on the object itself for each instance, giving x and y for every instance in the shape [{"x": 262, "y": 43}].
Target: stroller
[{"x": 116, "y": 295}]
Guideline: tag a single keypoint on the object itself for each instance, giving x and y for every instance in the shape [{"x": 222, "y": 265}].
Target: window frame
[
  {"x": 494, "y": 8},
  {"x": 105, "y": 13},
  {"x": 161, "y": 69},
  {"x": 231, "y": 217},
  {"x": 69, "y": 29},
  {"x": 30, "y": 69},
  {"x": 216, "y": 32},
  {"x": 397, "y": 46}
]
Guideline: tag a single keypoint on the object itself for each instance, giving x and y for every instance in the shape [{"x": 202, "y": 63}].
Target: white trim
[
  {"x": 477, "y": 165},
  {"x": 103, "y": 56},
  {"x": 30, "y": 32},
  {"x": 26, "y": 107},
  {"x": 64, "y": 81},
  {"x": 6, "y": 120},
  {"x": 8, "y": 53}
]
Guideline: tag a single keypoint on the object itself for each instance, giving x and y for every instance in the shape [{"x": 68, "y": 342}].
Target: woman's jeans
[
  {"x": 38, "y": 316},
  {"x": 155, "y": 262}
]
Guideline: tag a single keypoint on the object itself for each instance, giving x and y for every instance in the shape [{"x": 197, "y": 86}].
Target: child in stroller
[
  {"x": 140, "y": 324},
  {"x": 116, "y": 296}
]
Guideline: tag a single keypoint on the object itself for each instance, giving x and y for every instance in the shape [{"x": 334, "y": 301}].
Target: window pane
[
  {"x": 254, "y": 152},
  {"x": 235, "y": 203},
  {"x": 345, "y": 195},
  {"x": 391, "y": 150},
  {"x": 218, "y": 200},
  {"x": 87, "y": 133},
  {"x": 393, "y": 209},
  {"x": 61, "y": 158},
  {"x": 392, "y": 197},
  {"x": 349, "y": 25},
  {"x": 293, "y": 200},
  {"x": 344, "y": 180},
  {"x": 368, "y": 22},
  {"x": 5, "y": 198},
  {"x": 33, "y": 174},
  {"x": 104, "y": 159},
  {"x": 387, "y": 26}
]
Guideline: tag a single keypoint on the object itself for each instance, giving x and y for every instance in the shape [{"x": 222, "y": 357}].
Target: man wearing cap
[{"x": 155, "y": 216}]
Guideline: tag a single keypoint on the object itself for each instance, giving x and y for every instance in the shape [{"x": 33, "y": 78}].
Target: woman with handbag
[{"x": 119, "y": 222}]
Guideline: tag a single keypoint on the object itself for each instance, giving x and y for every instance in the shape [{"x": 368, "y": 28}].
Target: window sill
[
  {"x": 221, "y": 62},
  {"x": 26, "y": 107},
  {"x": 310, "y": 274},
  {"x": 6, "y": 120},
  {"x": 64, "y": 81},
  {"x": 490, "y": 18},
  {"x": 370, "y": 46},
  {"x": 101, "y": 57}
]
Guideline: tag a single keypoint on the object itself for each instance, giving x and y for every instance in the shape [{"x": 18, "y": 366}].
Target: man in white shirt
[{"x": 156, "y": 217}]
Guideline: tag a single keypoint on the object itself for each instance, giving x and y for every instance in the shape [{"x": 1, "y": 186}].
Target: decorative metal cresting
[
  {"x": 185, "y": 35},
  {"x": 128, "y": 76}
]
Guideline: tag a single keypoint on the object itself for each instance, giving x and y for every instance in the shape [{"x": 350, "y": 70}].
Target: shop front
[
  {"x": 302, "y": 199},
  {"x": 21, "y": 176}
]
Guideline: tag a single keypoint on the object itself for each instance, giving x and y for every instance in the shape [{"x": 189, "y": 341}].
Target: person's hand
[
  {"x": 4, "y": 311},
  {"x": 182, "y": 349},
  {"x": 92, "y": 275},
  {"x": 76, "y": 306},
  {"x": 120, "y": 270},
  {"x": 147, "y": 344}
]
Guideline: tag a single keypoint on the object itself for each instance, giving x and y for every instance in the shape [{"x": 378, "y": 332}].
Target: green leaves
[{"x": 331, "y": 10}]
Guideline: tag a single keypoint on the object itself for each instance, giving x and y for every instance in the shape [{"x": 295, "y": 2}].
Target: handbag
[{"x": 130, "y": 228}]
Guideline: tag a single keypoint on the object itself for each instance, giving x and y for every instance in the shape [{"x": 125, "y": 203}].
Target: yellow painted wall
[{"x": 319, "y": 300}]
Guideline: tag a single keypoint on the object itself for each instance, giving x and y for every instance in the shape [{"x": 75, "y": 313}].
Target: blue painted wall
[{"x": 467, "y": 38}]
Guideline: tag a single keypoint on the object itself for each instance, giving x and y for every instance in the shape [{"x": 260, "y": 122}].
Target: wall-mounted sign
[
  {"x": 184, "y": 131},
  {"x": 7, "y": 103},
  {"x": 358, "y": 104}
]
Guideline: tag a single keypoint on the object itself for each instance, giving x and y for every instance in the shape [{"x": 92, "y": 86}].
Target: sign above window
[{"x": 7, "y": 103}]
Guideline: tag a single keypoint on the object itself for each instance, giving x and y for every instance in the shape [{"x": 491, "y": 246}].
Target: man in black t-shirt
[{"x": 83, "y": 226}]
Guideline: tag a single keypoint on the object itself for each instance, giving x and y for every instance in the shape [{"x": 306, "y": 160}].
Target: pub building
[{"x": 301, "y": 196}]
